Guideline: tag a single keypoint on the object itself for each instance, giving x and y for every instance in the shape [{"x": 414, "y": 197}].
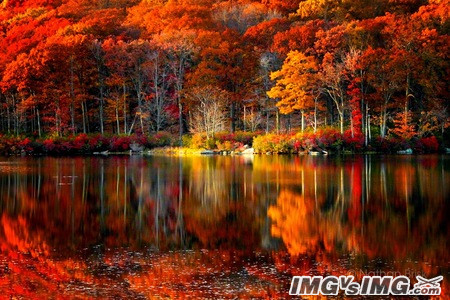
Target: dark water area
[{"x": 217, "y": 227}]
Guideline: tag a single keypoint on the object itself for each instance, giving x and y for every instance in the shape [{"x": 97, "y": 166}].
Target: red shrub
[
  {"x": 429, "y": 144},
  {"x": 355, "y": 142},
  {"x": 297, "y": 145},
  {"x": 25, "y": 145},
  {"x": 140, "y": 139},
  {"x": 120, "y": 143},
  {"x": 49, "y": 145},
  {"x": 329, "y": 138},
  {"x": 80, "y": 141}
]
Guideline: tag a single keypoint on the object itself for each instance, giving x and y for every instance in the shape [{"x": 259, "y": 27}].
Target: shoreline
[
  {"x": 186, "y": 152},
  {"x": 324, "y": 142}
]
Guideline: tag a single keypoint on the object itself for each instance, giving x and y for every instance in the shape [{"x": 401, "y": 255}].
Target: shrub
[
  {"x": 260, "y": 144},
  {"x": 80, "y": 142},
  {"x": 221, "y": 140},
  {"x": 426, "y": 145},
  {"x": 225, "y": 146},
  {"x": 304, "y": 141},
  {"x": 355, "y": 142},
  {"x": 120, "y": 143},
  {"x": 381, "y": 145},
  {"x": 327, "y": 138},
  {"x": 7, "y": 145},
  {"x": 245, "y": 138},
  {"x": 49, "y": 145},
  {"x": 273, "y": 143},
  {"x": 210, "y": 143},
  {"x": 330, "y": 139},
  {"x": 25, "y": 145},
  {"x": 198, "y": 141},
  {"x": 186, "y": 141},
  {"x": 161, "y": 139},
  {"x": 431, "y": 144},
  {"x": 98, "y": 142},
  {"x": 390, "y": 144},
  {"x": 140, "y": 139}
]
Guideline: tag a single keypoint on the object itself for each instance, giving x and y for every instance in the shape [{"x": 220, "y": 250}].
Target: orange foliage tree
[{"x": 295, "y": 84}]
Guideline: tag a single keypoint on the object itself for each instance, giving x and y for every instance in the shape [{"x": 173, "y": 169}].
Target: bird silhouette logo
[{"x": 423, "y": 282}]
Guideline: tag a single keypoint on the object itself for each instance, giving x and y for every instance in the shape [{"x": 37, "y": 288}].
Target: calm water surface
[{"x": 217, "y": 227}]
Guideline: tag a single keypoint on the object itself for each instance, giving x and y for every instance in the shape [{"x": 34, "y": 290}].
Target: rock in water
[
  {"x": 249, "y": 151},
  {"x": 207, "y": 152},
  {"x": 136, "y": 147},
  {"x": 407, "y": 151}
]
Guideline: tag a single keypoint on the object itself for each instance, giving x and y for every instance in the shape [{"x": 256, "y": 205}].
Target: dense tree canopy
[{"x": 123, "y": 67}]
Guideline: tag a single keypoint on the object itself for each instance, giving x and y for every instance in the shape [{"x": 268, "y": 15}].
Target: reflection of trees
[
  {"x": 221, "y": 206},
  {"x": 302, "y": 231},
  {"x": 203, "y": 275},
  {"x": 133, "y": 201},
  {"x": 17, "y": 233},
  {"x": 319, "y": 208},
  {"x": 373, "y": 209}
]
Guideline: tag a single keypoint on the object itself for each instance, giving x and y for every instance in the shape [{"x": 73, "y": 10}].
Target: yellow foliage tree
[
  {"x": 316, "y": 9},
  {"x": 294, "y": 84}
]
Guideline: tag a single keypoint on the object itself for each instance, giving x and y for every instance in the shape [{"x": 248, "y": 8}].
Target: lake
[{"x": 218, "y": 226}]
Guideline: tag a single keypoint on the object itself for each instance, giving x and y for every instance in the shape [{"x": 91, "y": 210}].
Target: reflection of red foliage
[
  {"x": 320, "y": 226},
  {"x": 354, "y": 211}
]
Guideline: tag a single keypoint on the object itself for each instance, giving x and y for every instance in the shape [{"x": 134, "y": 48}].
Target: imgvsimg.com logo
[{"x": 369, "y": 285}]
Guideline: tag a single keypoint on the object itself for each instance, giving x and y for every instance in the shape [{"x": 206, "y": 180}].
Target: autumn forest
[
  {"x": 144, "y": 95},
  {"x": 368, "y": 69}
]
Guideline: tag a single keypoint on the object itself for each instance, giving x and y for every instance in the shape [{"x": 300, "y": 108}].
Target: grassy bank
[
  {"x": 327, "y": 140},
  {"x": 332, "y": 141}
]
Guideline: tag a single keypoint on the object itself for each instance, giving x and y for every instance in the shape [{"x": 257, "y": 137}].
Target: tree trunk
[
  {"x": 38, "y": 121},
  {"x": 141, "y": 122},
  {"x": 180, "y": 121},
  {"x": 88, "y": 126},
  {"x": 8, "y": 117},
  {"x": 245, "y": 117},
  {"x": 383, "y": 122},
  {"x": 72, "y": 98},
  {"x": 366, "y": 125},
  {"x": 83, "y": 114},
  {"x": 124, "y": 108},
  {"x": 277, "y": 121},
  {"x": 179, "y": 87},
  {"x": 288, "y": 129},
  {"x": 351, "y": 127},
  {"x": 97, "y": 51},
  {"x": 33, "y": 120},
  {"x": 56, "y": 123},
  {"x": 101, "y": 108},
  {"x": 315, "y": 114},
  {"x": 233, "y": 126},
  {"x": 132, "y": 124},
  {"x": 15, "y": 129},
  {"x": 117, "y": 121},
  {"x": 303, "y": 119}
]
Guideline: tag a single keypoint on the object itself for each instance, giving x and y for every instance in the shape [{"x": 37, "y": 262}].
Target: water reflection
[{"x": 216, "y": 226}]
